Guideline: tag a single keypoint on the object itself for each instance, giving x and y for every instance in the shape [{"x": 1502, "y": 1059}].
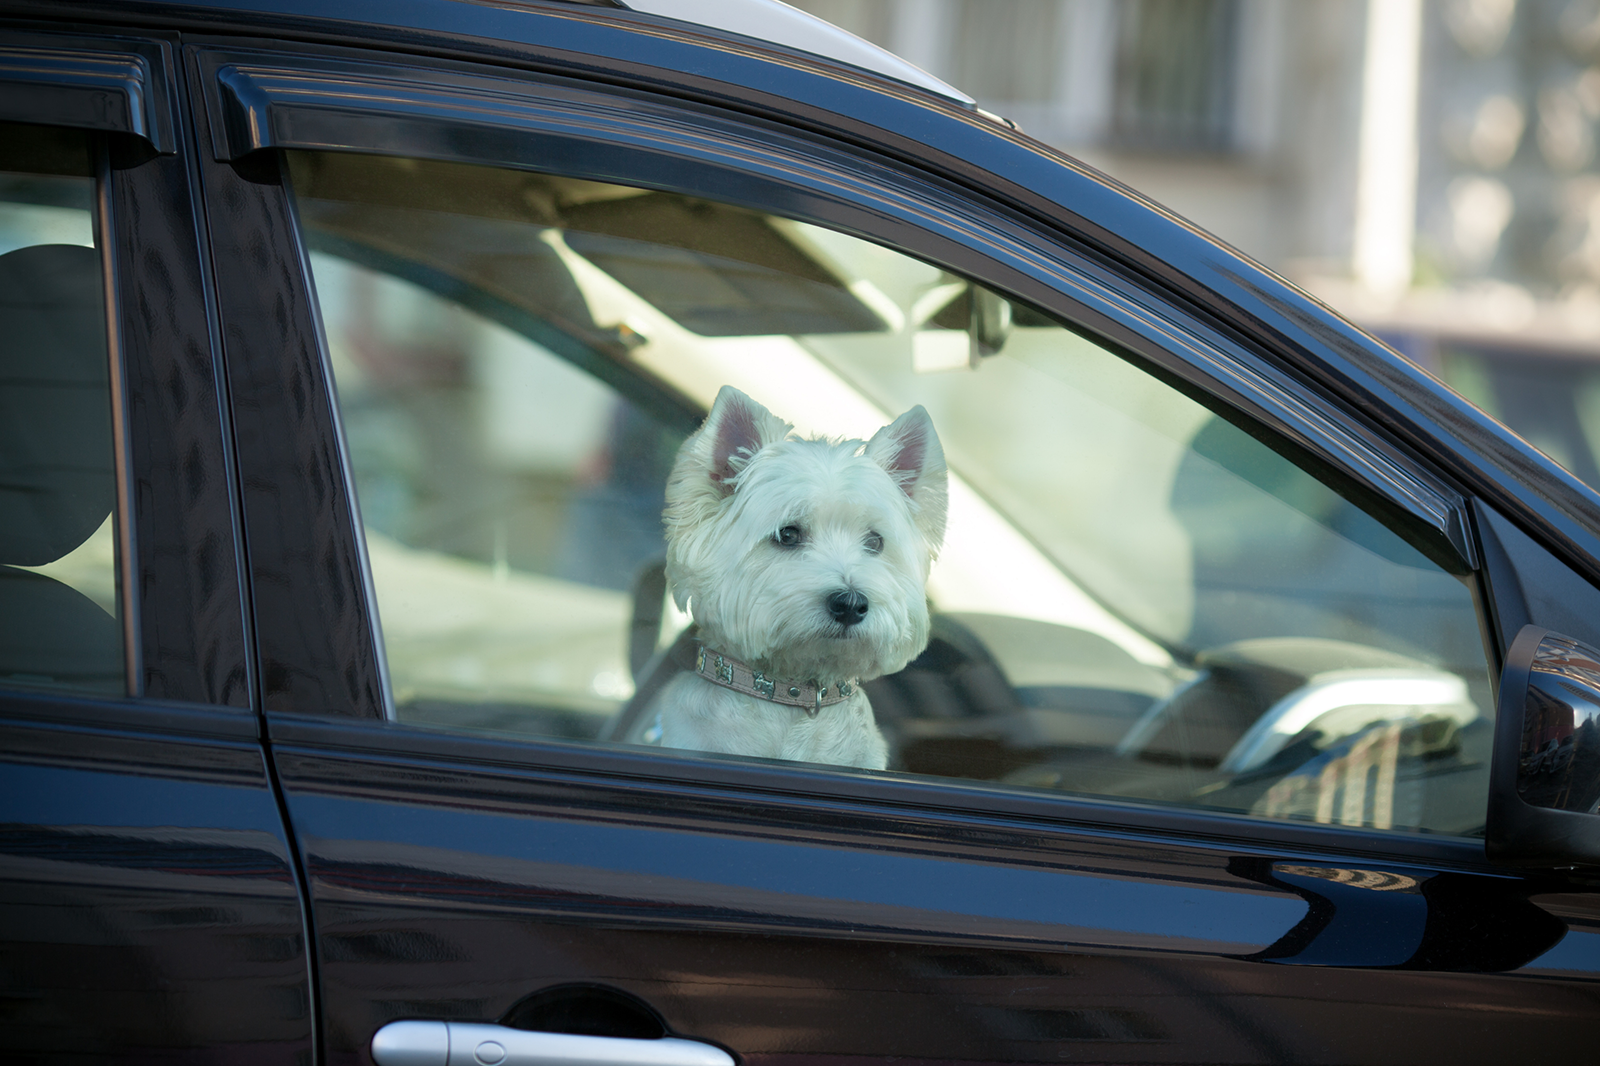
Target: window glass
[
  {"x": 59, "y": 608},
  {"x": 1131, "y": 593}
]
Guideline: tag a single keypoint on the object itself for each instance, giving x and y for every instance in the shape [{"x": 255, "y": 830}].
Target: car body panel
[
  {"x": 312, "y": 627},
  {"x": 179, "y": 442},
  {"x": 792, "y": 929},
  {"x": 151, "y": 898},
  {"x": 442, "y": 890},
  {"x": 790, "y": 914},
  {"x": 151, "y": 905}
]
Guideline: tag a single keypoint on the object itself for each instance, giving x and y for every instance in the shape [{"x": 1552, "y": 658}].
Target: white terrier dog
[{"x": 804, "y": 564}]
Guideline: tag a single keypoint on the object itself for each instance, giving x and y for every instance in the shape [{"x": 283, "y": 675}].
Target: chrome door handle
[{"x": 475, "y": 1044}]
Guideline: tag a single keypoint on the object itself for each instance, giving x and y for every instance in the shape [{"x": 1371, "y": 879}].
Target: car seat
[{"x": 56, "y": 479}]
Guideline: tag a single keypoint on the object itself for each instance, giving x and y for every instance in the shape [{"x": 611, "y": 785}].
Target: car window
[
  {"x": 1133, "y": 592},
  {"x": 59, "y": 610}
]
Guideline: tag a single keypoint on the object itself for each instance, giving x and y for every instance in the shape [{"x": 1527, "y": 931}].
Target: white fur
[{"x": 739, "y": 480}]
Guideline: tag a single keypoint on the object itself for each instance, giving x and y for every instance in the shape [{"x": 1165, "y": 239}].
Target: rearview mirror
[
  {"x": 990, "y": 326},
  {"x": 970, "y": 324},
  {"x": 1544, "y": 784}
]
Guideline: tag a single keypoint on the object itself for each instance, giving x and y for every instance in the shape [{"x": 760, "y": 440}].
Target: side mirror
[{"x": 1544, "y": 782}]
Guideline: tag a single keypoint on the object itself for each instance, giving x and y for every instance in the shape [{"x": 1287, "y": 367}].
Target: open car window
[{"x": 1138, "y": 593}]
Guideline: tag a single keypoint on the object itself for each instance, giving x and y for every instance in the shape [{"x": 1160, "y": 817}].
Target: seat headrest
[{"x": 56, "y": 478}]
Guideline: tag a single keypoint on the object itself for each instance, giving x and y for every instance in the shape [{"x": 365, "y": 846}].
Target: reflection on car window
[
  {"x": 58, "y": 577},
  {"x": 1136, "y": 595}
]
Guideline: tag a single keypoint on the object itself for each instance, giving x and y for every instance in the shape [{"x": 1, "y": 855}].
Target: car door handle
[{"x": 476, "y": 1044}]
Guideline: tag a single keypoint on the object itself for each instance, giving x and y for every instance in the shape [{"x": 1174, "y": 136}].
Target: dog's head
[{"x": 807, "y": 556}]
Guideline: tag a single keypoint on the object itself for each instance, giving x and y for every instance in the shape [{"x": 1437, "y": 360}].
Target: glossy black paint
[
  {"x": 148, "y": 904},
  {"x": 313, "y": 635},
  {"x": 1546, "y": 773},
  {"x": 1530, "y": 585},
  {"x": 791, "y": 929},
  {"x": 189, "y": 589},
  {"x": 104, "y": 84},
  {"x": 792, "y": 915},
  {"x": 1448, "y": 922},
  {"x": 456, "y": 887}
]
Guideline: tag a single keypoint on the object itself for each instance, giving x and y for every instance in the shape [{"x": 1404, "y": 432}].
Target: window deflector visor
[
  {"x": 262, "y": 102},
  {"x": 107, "y": 86}
]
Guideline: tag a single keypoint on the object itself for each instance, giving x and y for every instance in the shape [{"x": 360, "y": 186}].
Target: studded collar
[{"x": 809, "y": 696}]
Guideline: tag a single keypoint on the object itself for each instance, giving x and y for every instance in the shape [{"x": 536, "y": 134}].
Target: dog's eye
[
  {"x": 874, "y": 543},
  {"x": 788, "y": 536}
]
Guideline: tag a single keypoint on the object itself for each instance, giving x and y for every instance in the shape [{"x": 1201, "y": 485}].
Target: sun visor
[{"x": 718, "y": 271}]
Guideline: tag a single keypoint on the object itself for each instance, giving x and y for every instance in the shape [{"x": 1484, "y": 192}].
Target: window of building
[
  {"x": 1007, "y": 54},
  {"x": 1174, "y": 76}
]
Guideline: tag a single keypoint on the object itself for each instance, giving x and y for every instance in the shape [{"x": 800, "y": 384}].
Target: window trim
[
  {"x": 341, "y": 446},
  {"x": 840, "y": 794},
  {"x": 309, "y": 618},
  {"x": 260, "y": 101},
  {"x": 105, "y": 224},
  {"x": 104, "y": 84}
]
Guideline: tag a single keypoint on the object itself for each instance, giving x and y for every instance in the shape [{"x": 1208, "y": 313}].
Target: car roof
[{"x": 958, "y": 145}]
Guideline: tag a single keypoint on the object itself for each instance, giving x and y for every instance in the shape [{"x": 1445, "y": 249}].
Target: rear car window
[{"x": 59, "y": 610}]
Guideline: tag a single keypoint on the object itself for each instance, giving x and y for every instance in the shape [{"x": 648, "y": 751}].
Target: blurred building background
[{"x": 1428, "y": 167}]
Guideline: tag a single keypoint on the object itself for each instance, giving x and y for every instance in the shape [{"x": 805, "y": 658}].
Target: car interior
[
  {"x": 1141, "y": 597},
  {"x": 56, "y": 483}
]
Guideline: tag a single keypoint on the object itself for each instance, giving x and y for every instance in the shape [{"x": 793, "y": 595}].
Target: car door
[
  {"x": 469, "y": 312},
  {"x": 150, "y": 906}
]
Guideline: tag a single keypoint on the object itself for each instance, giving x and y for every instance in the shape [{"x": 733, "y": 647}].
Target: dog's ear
[
  {"x": 702, "y": 478},
  {"x": 712, "y": 457},
  {"x": 734, "y": 431},
  {"x": 908, "y": 448}
]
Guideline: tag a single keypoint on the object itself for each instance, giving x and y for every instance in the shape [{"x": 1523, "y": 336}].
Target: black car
[{"x": 345, "y": 349}]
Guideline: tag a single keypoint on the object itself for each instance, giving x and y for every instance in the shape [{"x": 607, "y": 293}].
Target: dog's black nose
[{"x": 847, "y": 608}]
